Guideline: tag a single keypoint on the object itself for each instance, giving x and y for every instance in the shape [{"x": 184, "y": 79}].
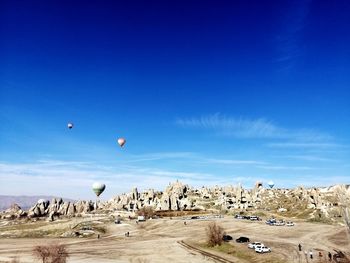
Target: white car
[
  {"x": 262, "y": 249},
  {"x": 279, "y": 223},
  {"x": 289, "y": 224},
  {"x": 255, "y": 244},
  {"x": 141, "y": 218}
]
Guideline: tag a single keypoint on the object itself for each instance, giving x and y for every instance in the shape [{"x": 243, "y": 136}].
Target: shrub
[
  {"x": 146, "y": 211},
  {"x": 215, "y": 234},
  {"x": 53, "y": 253}
]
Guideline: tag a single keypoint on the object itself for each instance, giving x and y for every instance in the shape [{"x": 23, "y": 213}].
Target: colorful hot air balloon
[
  {"x": 98, "y": 188},
  {"x": 70, "y": 125},
  {"x": 271, "y": 184},
  {"x": 121, "y": 142}
]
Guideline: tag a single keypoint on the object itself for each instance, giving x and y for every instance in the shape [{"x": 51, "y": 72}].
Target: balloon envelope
[
  {"x": 271, "y": 184},
  {"x": 70, "y": 125},
  {"x": 121, "y": 142},
  {"x": 98, "y": 188}
]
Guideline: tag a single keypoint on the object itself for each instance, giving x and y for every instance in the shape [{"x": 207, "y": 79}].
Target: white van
[{"x": 141, "y": 218}]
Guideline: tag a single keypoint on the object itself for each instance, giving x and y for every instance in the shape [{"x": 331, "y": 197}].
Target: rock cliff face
[
  {"x": 25, "y": 202},
  {"x": 52, "y": 210},
  {"x": 178, "y": 196}
]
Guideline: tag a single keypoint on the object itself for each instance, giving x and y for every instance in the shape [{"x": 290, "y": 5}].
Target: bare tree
[
  {"x": 215, "y": 234},
  {"x": 53, "y": 253},
  {"x": 146, "y": 211},
  {"x": 59, "y": 253},
  {"x": 42, "y": 253}
]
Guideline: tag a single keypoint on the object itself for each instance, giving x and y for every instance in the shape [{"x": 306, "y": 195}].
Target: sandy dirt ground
[{"x": 157, "y": 241}]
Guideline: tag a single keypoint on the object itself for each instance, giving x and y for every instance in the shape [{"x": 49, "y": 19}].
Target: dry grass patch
[{"x": 245, "y": 253}]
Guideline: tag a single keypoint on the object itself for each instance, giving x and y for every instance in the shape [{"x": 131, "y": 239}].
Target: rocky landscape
[
  {"x": 89, "y": 229},
  {"x": 323, "y": 204},
  {"x": 25, "y": 202}
]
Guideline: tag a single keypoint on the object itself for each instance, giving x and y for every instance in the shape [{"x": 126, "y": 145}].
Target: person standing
[
  {"x": 311, "y": 255},
  {"x": 299, "y": 247},
  {"x": 329, "y": 256}
]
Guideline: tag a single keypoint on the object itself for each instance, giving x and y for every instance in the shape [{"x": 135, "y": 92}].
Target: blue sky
[{"x": 206, "y": 93}]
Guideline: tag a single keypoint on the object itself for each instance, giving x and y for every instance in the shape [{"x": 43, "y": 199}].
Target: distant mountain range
[{"x": 25, "y": 202}]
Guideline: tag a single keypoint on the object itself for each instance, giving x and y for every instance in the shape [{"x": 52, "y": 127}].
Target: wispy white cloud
[
  {"x": 311, "y": 180},
  {"x": 233, "y": 162},
  {"x": 289, "y": 168},
  {"x": 312, "y": 158},
  {"x": 239, "y": 127},
  {"x": 250, "y": 128},
  {"x": 74, "y": 179},
  {"x": 307, "y": 145},
  {"x": 194, "y": 158},
  {"x": 160, "y": 156},
  {"x": 288, "y": 41}
]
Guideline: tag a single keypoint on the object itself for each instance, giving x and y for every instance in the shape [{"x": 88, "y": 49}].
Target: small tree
[
  {"x": 215, "y": 234},
  {"x": 59, "y": 253},
  {"x": 42, "y": 253},
  {"x": 53, "y": 253},
  {"x": 146, "y": 211}
]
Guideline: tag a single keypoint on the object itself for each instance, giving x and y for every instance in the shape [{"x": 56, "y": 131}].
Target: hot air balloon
[
  {"x": 98, "y": 188},
  {"x": 121, "y": 142},
  {"x": 271, "y": 184},
  {"x": 70, "y": 125}
]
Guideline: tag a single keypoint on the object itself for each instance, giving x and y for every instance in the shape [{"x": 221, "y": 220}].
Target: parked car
[
  {"x": 271, "y": 221},
  {"x": 262, "y": 249},
  {"x": 141, "y": 218},
  {"x": 290, "y": 223},
  {"x": 279, "y": 223},
  {"x": 255, "y": 244},
  {"x": 242, "y": 240},
  {"x": 227, "y": 238}
]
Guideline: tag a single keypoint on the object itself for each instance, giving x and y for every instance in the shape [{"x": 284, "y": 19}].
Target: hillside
[{"x": 25, "y": 202}]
